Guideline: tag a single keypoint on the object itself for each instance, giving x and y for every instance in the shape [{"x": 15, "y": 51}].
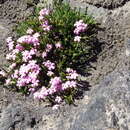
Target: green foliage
[
  {"x": 72, "y": 54},
  {"x": 62, "y": 20}
]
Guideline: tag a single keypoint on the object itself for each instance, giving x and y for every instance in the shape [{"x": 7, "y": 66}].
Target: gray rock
[
  {"x": 110, "y": 4},
  {"x": 4, "y": 31},
  {"x": 106, "y": 106},
  {"x": 14, "y": 11},
  {"x": 109, "y": 107},
  {"x": 11, "y": 13}
]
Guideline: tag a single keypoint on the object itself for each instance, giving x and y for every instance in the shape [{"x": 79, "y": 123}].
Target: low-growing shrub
[{"x": 51, "y": 45}]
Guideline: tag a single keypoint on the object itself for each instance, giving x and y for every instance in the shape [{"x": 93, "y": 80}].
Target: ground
[{"x": 106, "y": 105}]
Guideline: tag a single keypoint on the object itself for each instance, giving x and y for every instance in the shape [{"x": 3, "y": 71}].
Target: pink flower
[
  {"x": 44, "y": 54},
  {"x": 69, "y": 70},
  {"x": 58, "y": 45},
  {"x": 49, "y": 46},
  {"x": 77, "y": 31},
  {"x": 44, "y": 91},
  {"x": 23, "y": 39},
  {"x": 19, "y": 47},
  {"x": 38, "y": 54},
  {"x": 45, "y": 23},
  {"x": 36, "y": 95},
  {"x": 69, "y": 84},
  {"x": 58, "y": 99},
  {"x": 55, "y": 107},
  {"x": 28, "y": 74},
  {"x": 12, "y": 66},
  {"x": 40, "y": 18},
  {"x": 2, "y": 73},
  {"x": 80, "y": 27},
  {"x": 46, "y": 26},
  {"x": 72, "y": 74},
  {"x": 49, "y": 65},
  {"x": 51, "y": 91},
  {"x": 8, "y": 56},
  {"x": 29, "y": 31},
  {"x": 29, "y": 40},
  {"x": 36, "y": 35},
  {"x": 8, "y": 81},
  {"x": 78, "y": 23},
  {"x": 27, "y": 55},
  {"x": 56, "y": 84},
  {"x": 73, "y": 84},
  {"x": 50, "y": 73},
  {"x": 42, "y": 94},
  {"x": 55, "y": 81},
  {"x": 44, "y": 12},
  {"x": 21, "y": 82},
  {"x": 31, "y": 89},
  {"x": 34, "y": 81},
  {"x": 77, "y": 38},
  {"x": 9, "y": 39},
  {"x": 11, "y": 45},
  {"x": 12, "y": 55},
  {"x": 15, "y": 51}
]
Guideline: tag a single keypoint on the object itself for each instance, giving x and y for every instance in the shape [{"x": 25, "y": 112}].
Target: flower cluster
[
  {"x": 27, "y": 74},
  {"x": 80, "y": 27},
  {"x": 27, "y": 55},
  {"x": 49, "y": 65},
  {"x": 12, "y": 55},
  {"x": 57, "y": 85},
  {"x": 10, "y": 43},
  {"x": 43, "y": 13},
  {"x": 28, "y": 39},
  {"x": 46, "y": 26},
  {"x": 43, "y": 20},
  {"x": 40, "y": 61},
  {"x": 2, "y": 73},
  {"x": 72, "y": 74}
]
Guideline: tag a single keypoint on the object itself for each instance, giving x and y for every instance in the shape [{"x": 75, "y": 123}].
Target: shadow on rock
[{"x": 90, "y": 58}]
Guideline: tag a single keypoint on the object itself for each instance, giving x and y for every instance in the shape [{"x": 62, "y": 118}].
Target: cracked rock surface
[
  {"x": 106, "y": 106},
  {"x": 110, "y": 4}
]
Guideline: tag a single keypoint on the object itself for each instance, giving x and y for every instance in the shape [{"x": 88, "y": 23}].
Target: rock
[
  {"x": 110, "y": 4},
  {"x": 11, "y": 13},
  {"x": 106, "y": 106},
  {"x": 107, "y": 4},
  {"x": 109, "y": 106},
  {"x": 44, "y": 3},
  {"x": 4, "y": 31},
  {"x": 2, "y": 1},
  {"x": 14, "y": 11}
]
